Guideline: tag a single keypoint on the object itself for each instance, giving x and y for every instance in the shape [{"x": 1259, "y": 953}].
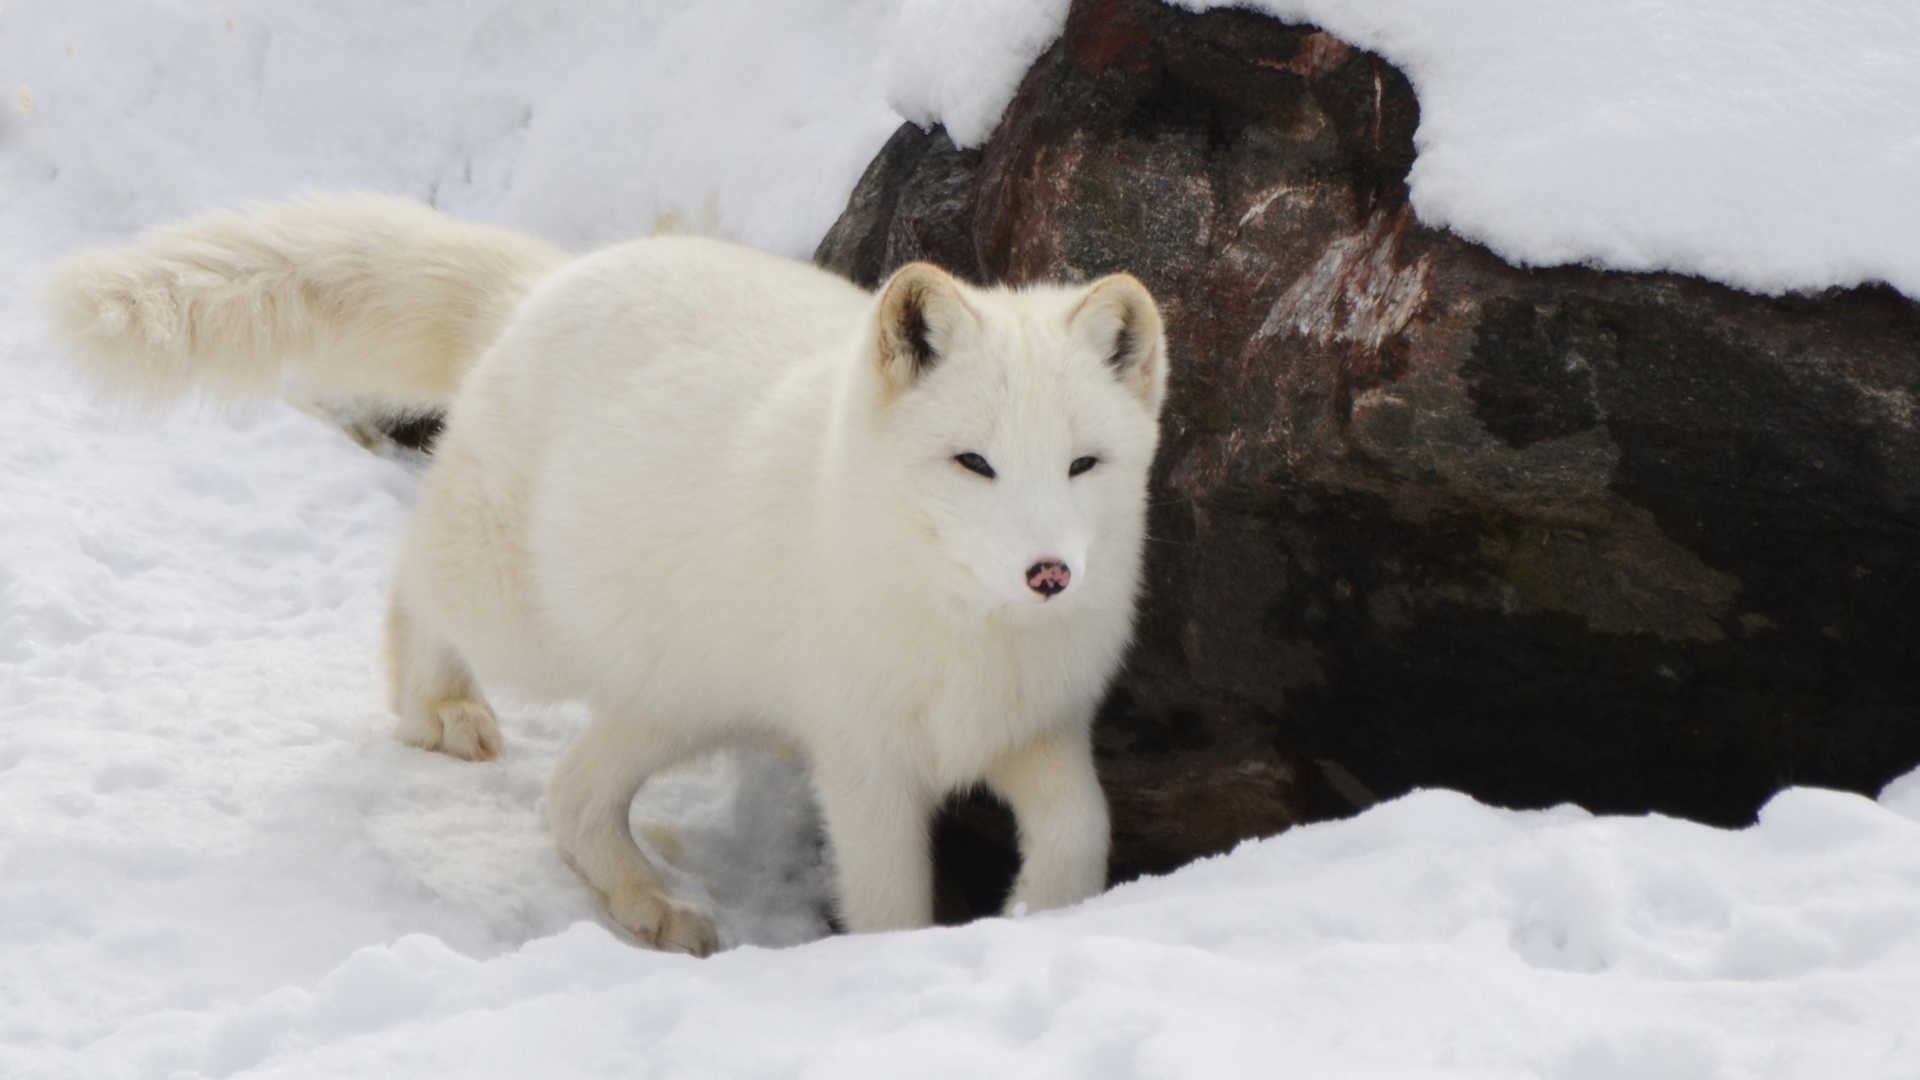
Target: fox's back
[{"x": 645, "y": 426}]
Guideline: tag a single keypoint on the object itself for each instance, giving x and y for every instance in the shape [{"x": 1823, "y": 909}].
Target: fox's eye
[
  {"x": 973, "y": 462},
  {"x": 1081, "y": 465}
]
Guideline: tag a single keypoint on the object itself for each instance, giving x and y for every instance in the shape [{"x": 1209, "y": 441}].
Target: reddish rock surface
[{"x": 1424, "y": 518}]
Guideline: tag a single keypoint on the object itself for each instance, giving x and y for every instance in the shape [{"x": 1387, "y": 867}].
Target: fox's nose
[{"x": 1048, "y": 577}]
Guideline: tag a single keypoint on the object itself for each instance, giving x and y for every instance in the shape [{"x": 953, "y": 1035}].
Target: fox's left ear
[{"x": 1118, "y": 318}]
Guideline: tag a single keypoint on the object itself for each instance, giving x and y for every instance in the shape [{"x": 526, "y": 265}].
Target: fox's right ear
[
  {"x": 1119, "y": 320},
  {"x": 920, "y": 312}
]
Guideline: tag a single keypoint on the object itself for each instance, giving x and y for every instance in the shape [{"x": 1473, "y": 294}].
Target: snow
[
  {"x": 586, "y": 122},
  {"x": 1429, "y": 936},
  {"x": 958, "y": 64},
  {"x": 215, "y": 860}
]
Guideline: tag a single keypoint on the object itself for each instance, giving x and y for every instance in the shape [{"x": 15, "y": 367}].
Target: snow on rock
[
  {"x": 958, "y": 64},
  {"x": 1764, "y": 144}
]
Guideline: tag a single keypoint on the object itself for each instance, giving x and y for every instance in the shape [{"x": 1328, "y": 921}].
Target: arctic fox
[{"x": 717, "y": 494}]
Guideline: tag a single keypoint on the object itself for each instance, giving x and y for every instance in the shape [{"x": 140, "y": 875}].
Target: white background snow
[{"x": 215, "y": 861}]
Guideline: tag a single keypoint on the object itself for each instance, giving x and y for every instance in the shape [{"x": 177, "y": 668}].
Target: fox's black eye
[
  {"x": 1081, "y": 465},
  {"x": 973, "y": 462}
]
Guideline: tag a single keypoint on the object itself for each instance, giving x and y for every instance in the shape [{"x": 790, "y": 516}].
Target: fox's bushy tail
[{"x": 360, "y": 295}]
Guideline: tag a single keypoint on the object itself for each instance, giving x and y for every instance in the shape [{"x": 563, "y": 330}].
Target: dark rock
[
  {"x": 1637, "y": 541},
  {"x": 912, "y": 203}
]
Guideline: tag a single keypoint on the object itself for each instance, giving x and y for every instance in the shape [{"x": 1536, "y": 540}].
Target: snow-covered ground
[{"x": 215, "y": 861}]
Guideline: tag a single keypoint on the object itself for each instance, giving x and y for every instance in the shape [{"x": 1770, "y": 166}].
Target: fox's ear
[
  {"x": 920, "y": 312},
  {"x": 1118, "y": 318}
]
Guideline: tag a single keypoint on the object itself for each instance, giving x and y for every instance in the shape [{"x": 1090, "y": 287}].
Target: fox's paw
[
  {"x": 661, "y": 922},
  {"x": 458, "y": 727}
]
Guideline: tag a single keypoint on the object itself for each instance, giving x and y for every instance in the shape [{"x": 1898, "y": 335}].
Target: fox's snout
[{"x": 1048, "y": 577}]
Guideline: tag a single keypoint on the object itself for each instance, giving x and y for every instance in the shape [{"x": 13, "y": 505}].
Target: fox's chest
[{"x": 1005, "y": 698}]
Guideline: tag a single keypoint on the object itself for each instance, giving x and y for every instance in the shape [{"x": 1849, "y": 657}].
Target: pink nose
[{"x": 1048, "y": 577}]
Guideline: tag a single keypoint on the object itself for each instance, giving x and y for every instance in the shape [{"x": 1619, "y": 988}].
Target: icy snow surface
[{"x": 215, "y": 861}]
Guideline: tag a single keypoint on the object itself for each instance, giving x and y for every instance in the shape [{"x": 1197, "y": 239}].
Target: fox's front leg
[
  {"x": 1062, "y": 818},
  {"x": 878, "y": 823}
]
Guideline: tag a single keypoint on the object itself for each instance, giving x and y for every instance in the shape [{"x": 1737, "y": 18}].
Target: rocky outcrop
[{"x": 1641, "y": 542}]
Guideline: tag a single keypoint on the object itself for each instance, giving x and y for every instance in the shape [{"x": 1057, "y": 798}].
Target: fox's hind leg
[
  {"x": 432, "y": 692},
  {"x": 588, "y": 801}
]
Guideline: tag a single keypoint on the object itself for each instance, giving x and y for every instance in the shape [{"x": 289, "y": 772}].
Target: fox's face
[{"x": 1022, "y": 426}]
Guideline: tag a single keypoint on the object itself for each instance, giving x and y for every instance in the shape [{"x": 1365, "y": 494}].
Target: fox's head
[{"x": 1020, "y": 425}]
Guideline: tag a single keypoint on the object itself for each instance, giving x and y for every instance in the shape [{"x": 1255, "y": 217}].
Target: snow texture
[{"x": 216, "y": 861}]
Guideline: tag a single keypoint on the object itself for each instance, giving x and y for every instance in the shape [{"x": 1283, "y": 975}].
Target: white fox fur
[
  {"x": 717, "y": 494},
  {"x": 363, "y": 294}
]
